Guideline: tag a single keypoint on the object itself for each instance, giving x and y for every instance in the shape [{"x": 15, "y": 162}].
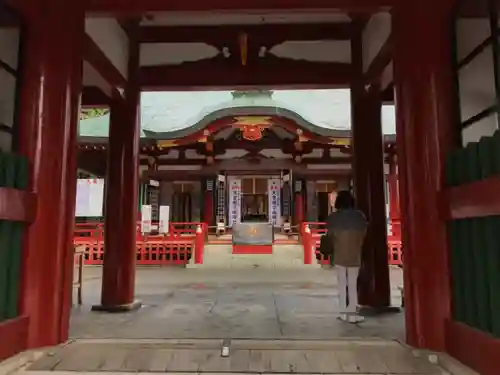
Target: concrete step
[
  {"x": 283, "y": 257},
  {"x": 363, "y": 356}
]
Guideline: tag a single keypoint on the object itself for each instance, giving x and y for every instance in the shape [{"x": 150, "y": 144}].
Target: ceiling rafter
[
  {"x": 144, "y": 6},
  {"x": 261, "y": 35},
  {"x": 271, "y": 72}
]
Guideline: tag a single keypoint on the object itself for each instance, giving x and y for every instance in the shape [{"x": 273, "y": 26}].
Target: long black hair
[{"x": 344, "y": 200}]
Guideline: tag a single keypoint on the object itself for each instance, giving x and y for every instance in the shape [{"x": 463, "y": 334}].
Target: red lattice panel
[
  {"x": 86, "y": 232},
  {"x": 94, "y": 253},
  {"x": 165, "y": 252},
  {"x": 148, "y": 253},
  {"x": 186, "y": 229},
  {"x": 395, "y": 254},
  {"x": 176, "y": 247}
]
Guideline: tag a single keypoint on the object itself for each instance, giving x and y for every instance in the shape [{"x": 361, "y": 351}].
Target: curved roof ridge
[
  {"x": 175, "y": 113},
  {"x": 245, "y": 105}
]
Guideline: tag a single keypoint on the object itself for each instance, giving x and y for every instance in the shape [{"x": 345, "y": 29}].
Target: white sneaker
[
  {"x": 342, "y": 317},
  {"x": 355, "y": 319}
]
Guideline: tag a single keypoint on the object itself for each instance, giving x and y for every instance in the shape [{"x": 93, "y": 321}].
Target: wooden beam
[
  {"x": 134, "y": 7},
  {"x": 260, "y": 35},
  {"x": 195, "y": 175},
  {"x": 388, "y": 94},
  {"x": 217, "y": 73},
  {"x": 92, "y": 161},
  {"x": 8, "y": 17},
  {"x": 94, "y": 97},
  {"x": 190, "y": 162},
  {"x": 220, "y": 146},
  {"x": 475, "y": 199},
  {"x": 95, "y": 160},
  {"x": 17, "y": 205},
  {"x": 93, "y": 54},
  {"x": 4, "y": 128},
  {"x": 359, "y": 21},
  {"x": 9, "y": 69},
  {"x": 129, "y": 25}
]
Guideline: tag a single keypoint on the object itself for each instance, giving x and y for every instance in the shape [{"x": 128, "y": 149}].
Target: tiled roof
[{"x": 163, "y": 112}]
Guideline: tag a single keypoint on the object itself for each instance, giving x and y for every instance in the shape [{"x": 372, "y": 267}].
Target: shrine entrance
[
  {"x": 105, "y": 53},
  {"x": 254, "y": 208},
  {"x": 182, "y": 202},
  {"x": 255, "y": 199}
]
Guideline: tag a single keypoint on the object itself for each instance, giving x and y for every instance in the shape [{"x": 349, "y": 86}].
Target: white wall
[
  {"x": 9, "y": 48},
  {"x": 476, "y": 79}
]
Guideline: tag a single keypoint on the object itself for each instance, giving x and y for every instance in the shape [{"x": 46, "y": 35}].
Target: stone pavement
[
  {"x": 273, "y": 321},
  {"x": 228, "y": 303}
]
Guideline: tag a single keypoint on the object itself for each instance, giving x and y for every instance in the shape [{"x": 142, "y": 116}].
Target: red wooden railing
[
  {"x": 311, "y": 234},
  {"x": 395, "y": 249},
  {"x": 183, "y": 241},
  {"x": 188, "y": 229}
]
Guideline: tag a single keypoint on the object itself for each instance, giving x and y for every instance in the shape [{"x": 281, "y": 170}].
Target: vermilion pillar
[
  {"x": 423, "y": 81},
  {"x": 208, "y": 210},
  {"x": 49, "y": 108},
  {"x": 369, "y": 181},
  {"x": 394, "y": 210},
  {"x": 122, "y": 197}
]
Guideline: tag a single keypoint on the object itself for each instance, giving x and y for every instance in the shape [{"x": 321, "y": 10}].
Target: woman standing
[{"x": 347, "y": 228}]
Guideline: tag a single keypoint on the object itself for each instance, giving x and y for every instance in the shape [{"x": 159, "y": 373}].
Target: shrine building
[{"x": 250, "y": 157}]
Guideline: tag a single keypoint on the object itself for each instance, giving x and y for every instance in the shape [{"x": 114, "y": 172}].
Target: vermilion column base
[{"x": 134, "y": 306}]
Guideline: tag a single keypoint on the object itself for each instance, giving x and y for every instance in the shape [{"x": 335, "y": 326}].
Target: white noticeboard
[
  {"x": 146, "y": 218},
  {"x": 89, "y": 197},
  {"x": 164, "y": 219}
]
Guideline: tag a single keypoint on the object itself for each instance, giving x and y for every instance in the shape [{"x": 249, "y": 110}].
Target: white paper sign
[
  {"x": 146, "y": 218},
  {"x": 164, "y": 219},
  {"x": 89, "y": 197},
  {"x": 82, "y": 198},
  {"x": 234, "y": 201},
  {"x": 274, "y": 195}
]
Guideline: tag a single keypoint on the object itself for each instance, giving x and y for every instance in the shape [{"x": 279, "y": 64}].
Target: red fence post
[
  {"x": 199, "y": 245},
  {"x": 307, "y": 242}
]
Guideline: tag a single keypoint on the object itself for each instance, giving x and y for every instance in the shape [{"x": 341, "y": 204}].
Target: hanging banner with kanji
[
  {"x": 234, "y": 186},
  {"x": 274, "y": 195}
]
